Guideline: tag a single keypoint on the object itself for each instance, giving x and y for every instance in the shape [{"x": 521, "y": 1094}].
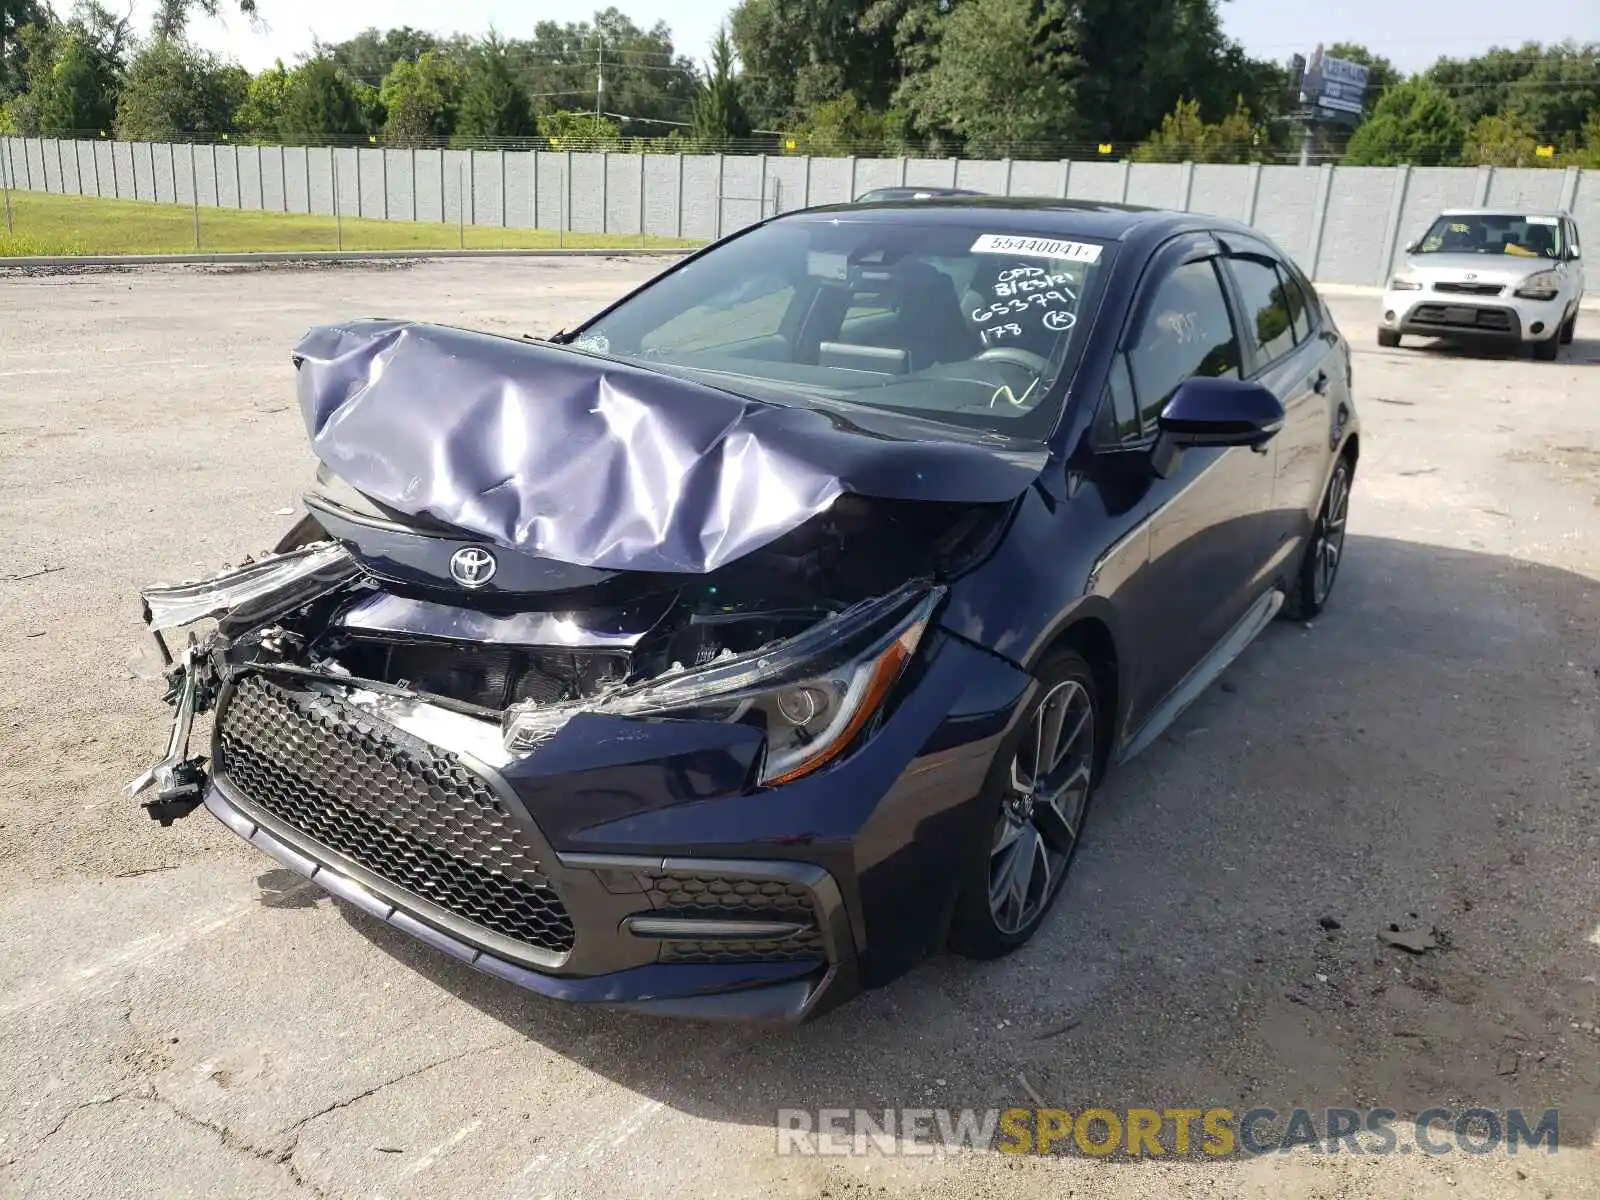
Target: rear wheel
[
  {"x": 1319, "y": 565},
  {"x": 1036, "y": 799},
  {"x": 1547, "y": 350},
  {"x": 1388, "y": 338}
]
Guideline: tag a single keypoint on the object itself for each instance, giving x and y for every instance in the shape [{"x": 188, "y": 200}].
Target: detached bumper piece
[{"x": 437, "y": 844}]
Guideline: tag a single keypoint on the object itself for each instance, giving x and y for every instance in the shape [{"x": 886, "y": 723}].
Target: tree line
[{"x": 1153, "y": 80}]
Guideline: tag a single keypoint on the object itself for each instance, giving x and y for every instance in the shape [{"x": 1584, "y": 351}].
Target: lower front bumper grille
[
  {"x": 409, "y": 813},
  {"x": 709, "y": 895}
]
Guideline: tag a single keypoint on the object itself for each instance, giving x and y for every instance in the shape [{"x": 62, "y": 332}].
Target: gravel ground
[{"x": 178, "y": 1017}]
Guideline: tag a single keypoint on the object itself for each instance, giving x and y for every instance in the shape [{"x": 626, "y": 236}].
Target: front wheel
[
  {"x": 1389, "y": 339},
  {"x": 1035, "y": 802},
  {"x": 1319, "y": 565},
  {"x": 1547, "y": 350}
]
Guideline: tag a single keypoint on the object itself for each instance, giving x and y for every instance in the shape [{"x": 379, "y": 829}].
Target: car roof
[
  {"x": 1505, "y": 210},
  {"x": 1030, "y": 214}
]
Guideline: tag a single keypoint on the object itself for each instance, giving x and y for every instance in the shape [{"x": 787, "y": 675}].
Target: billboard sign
[{"x": 1334, "y": 88}]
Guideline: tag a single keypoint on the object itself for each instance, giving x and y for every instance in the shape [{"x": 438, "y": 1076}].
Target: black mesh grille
[
  {"x": 406, "y": 811},
  {"x": 1470, "y": 289},
  {"x": 712, "y": 896}
]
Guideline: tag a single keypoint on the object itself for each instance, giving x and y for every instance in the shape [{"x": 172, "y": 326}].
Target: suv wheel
[
  {"x": 1547, "y": 350},
  {"x": 1388, "y": 338}
]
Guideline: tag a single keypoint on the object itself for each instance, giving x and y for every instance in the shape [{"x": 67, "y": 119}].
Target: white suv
[{"x": 1492, "y": 275}]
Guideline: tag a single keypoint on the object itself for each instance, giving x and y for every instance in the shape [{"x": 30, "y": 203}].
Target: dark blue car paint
[{"x": 1099, "y": 551}]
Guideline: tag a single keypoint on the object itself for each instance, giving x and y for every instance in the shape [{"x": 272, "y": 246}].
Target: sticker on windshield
[
  {"x": 1032, "y": 247},
  {"x": 1540, "y": 220},
  {"x": 824, "y": 264}
]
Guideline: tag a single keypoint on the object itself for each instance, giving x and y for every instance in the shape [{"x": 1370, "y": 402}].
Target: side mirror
[
  {"x": 1411, "y": 246},
  {"x": 1573, "y": 254},
  {"x": 1215, "y": 412}
]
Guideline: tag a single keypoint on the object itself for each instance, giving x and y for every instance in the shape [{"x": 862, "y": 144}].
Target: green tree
[
  {"x": 1414, "y": 122},
  {"x": 495, "y": 104},
  {"x": 320, "y": 102},
  {"x": 420, "y": 100},
  {"x": 14, "y": 16},
  {"x": 73, "y": 70},
  {"x": 173, "y": 89},
  {"x": 720, "y": 121},
  {"x": 1503, "y": 141},
  {"x": 260, "y": 114},
  {"x": 1552, "y": 89},
  {"x": 578, "y": 130},
  {"x": 846, "y": 126},
  {"x": 372, "y": 54},
  {"x": 172, "y": 16},
  {"x": 799, "y": 54},
  {"x": 991, "y": 86},
  {"x": 1185, "y": 137}
]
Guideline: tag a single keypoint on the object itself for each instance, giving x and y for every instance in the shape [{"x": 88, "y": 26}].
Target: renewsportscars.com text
[{"x": 1150, "y": 1132}]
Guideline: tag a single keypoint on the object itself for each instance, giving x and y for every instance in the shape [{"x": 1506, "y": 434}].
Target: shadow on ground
[{"x": 1421, "y": 750}]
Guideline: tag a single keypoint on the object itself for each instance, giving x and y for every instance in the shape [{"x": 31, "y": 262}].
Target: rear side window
[
  {"x": 1186, "y": 331},
  {"x": 1299, "y": 311},
  {"x": 1267, "y": 313}
]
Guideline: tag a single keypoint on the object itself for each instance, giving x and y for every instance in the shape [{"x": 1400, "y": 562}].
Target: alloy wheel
[
  {"x": 1042, "y": 813},
  {"x": 1330, "y": 536}
]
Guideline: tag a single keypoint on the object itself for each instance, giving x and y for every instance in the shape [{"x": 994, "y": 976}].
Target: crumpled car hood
[{"x": 566, "y": 456}]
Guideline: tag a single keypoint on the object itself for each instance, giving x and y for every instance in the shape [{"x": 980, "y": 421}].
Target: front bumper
[
  {"x": 628, "y": 863},
  {"x": 1503, "y": 318}
]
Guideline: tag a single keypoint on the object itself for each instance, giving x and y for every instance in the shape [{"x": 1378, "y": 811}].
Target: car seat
[{"x": 930, "y": 324}]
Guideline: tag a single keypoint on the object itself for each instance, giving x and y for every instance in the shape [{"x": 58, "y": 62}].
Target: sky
[{"x": 1412, "y": 33}]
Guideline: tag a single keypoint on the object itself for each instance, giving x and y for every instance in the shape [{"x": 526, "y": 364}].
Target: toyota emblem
[{"x": 472, "y": 566}]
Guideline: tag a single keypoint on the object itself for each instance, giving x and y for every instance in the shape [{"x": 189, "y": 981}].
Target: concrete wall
[{"x": 1343, "y": 224}]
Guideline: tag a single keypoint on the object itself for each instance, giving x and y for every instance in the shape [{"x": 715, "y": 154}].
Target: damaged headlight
[{"x": 811, "y": 695}]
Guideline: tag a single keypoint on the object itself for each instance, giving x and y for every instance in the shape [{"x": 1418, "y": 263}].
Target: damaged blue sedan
[{"x": 772, "y": 629}]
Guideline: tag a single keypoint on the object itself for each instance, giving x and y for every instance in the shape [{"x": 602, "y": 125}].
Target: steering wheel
[{"x": 1016, "y": 356}]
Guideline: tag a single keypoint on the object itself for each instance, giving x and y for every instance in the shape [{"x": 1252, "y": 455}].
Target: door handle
[{"x": 1320, "y": 386}]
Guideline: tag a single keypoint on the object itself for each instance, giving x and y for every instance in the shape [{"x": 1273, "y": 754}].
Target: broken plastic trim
[
  {"x": 323, "y": 563},
  {"x": 859, "y": 653}
]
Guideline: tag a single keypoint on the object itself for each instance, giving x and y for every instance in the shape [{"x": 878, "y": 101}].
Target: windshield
[
  {"x": 959, "y": 325},
  {"x": 1495, "y": 233}
]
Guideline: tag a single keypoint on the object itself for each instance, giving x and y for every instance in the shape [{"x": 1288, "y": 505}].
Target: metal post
[
  {"x": 717, "y": 229},
  {"x": 762, "y": 203},
  {"x": 283, "y": 178},
  {"x": 415, "y": 216},
  {"x": 238, "y": 187},
  {"x": 605, "y": 184},
  {"x": 1319, "y": 218},
  {"x": 1185, "y": 186},
  {"x": 461, "y": 200},
  {"x": 680, "y": 197},
  {"x": 261, "y": 183},
  {"x": 1127, "y": 174},
  {"x": 469, "y": 171},
  {"x": 1255, "y": 194},
  {"x": 61, "y": 170},
  {"x": 307, "y": 155},
  {"x": 383, "y": 179},
  {"x": 562, "y": 175},
  {"x": 805, "y": 187},
  {"x": 94, "y": 164},
  {"x": 133, "y": 165},
  {"x": 851, "y": 197},
  {"x": 194, "y": 194},
  {"x": 216, "y": 174},
  {"x": 903, "y": 166},
  {"x": 533, "y": 187},
  {"x": 643, "y": 239},
  {"x": 505, "y": 220},
  {"x": 1308, "y": 142},
  {"x": 1066, "y": 178},
  {"x": 567, "y": 216},
  {"x": 5, "y": 182},
  {"x": 1007, "y": 191},
  {"x": 1397, "y": 208},
  {"x": 338, "y": 213},
  {"x": 172, "y": 164}
]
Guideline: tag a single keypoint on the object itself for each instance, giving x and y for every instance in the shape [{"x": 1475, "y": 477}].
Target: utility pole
[{"x": 599, "y": 81}]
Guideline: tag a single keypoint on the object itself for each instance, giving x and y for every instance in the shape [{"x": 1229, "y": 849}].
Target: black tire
[
  {"x": 1569, "y": 330},
  {"x": 1312, "y": 583},
  {"x": 1547, "y": 350},
  {"x": 1050, "y": 833},
  {"x": 1389, "y": 339}
]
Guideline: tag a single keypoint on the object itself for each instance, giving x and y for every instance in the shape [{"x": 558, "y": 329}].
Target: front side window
[
  {"x": 1268, "y": 319},
  {"x": 961, "y": 325},
  {"x": 1515, "y": 234},
  {"x": 1187, "y": 331}
]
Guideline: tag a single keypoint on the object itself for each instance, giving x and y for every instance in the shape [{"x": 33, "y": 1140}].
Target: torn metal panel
[
  {"x": 600, "y": 463},
  {"x": 304, "y": 573},
  {"x": 617, "y": 629}
]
